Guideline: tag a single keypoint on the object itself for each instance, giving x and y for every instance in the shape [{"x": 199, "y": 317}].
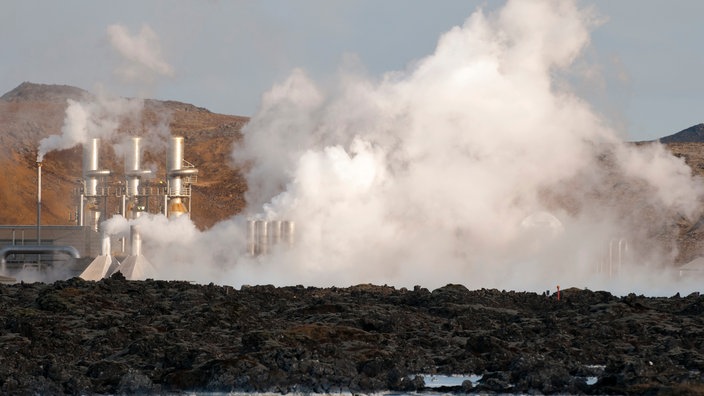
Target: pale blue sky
[{"x": 227, "y": 53}]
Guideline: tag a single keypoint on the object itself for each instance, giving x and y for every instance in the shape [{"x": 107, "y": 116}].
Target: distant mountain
[
  {"x": 693, "y": 134},
  {"x": 31, "y": 92}
]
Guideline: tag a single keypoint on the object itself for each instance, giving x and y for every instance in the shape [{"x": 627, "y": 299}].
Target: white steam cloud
[
  {"x": 99, "y": 117},
  {"x": 141, "y": 53},
  {"x": 477, "y": 166},
  {"x": 102, "y": 116}
]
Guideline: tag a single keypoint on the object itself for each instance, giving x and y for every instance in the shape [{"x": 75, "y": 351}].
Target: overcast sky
[{"x": 223, "y": 55}]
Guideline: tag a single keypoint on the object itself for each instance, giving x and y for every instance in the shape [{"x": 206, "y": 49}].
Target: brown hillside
[{"x": 31, "y": 112}]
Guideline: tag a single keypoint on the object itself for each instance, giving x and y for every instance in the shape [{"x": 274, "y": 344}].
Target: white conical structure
[
  {"x": 102, "y": 265},
  {"x": 136, "y": 266}
]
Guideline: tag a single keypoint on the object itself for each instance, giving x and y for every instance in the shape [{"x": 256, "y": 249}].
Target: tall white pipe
[
  {"x": 105, "y": 247},
  {"x": 132, "y": 167},
  {"x": 274, "y": 232},
  {"x": 81, "y": 203},
  {"x": 90, "y": 166},
  {"x": 262, "y": 238},
  {"x": 136, "y": 241},
  {"x": 175, "y": 172},
  {"x": 288, "y": 231},
  {"x": 251, "y": 238},
  {"x": 39, "y": 202},
  {"x": 133, "y": 176},
  {"x": 174, "y": 163}
]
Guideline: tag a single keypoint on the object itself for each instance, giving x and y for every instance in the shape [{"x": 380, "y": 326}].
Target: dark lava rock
[{"x": 154, "y": 337}]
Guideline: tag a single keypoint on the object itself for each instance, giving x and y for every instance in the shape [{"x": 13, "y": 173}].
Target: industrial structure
[
  {"x": 264, "y": 236},
  {"x": 99, "y": 197}
]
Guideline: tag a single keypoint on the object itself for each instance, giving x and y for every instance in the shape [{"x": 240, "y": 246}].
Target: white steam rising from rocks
[{"x": 447, "y": 172}]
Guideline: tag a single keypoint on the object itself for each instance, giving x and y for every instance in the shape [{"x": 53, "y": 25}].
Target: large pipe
[
  {"x": 251, "y": 238},
  {"x": 175, "y": 172},
  {"x": 262, "y": 237},
  {"x": 288, "y": 232},
  {"x": 90, "y": 166},
  {"x": 174, "y": 163},
  {"x": 91, "y": 170},
  {"x": 38, "y": 249},
  {"x": 91, "y": 173},
  {"x": 133, "y": 167},
  {"x": 133, "y": 176},
  {"x": 274, "y": 232}
]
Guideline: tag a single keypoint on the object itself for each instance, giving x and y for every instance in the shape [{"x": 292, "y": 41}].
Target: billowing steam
[
  {"x": 97, "y": 117},
  {"x": 141, "y": 53},
  {"x": 478, "y": 165},
  {"x": 101, "y": 116}
]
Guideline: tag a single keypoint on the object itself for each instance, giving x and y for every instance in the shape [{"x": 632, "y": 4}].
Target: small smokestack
[
  {"x": 288, "y": 229},
  {"x": 136, "y": 241},
  {"x": 39, "y": 203},
  {"x": 262, "y": 239},
  {"x": 105, "y": 246},
  {"x": 251, "y": 237},
  {"x": 274, "y": 232},
  {"x": 263, "y": 236}
]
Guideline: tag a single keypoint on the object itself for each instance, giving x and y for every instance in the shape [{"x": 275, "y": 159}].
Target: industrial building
[{"x": 84, "y": 249}]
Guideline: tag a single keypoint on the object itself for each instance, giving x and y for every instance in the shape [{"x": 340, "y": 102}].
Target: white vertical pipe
[
  {"x": 174, "y": 162},
  {"x": 136, "y": 241},
  {"x": 133, "y": 165},
  {"x": 80, "y": 211},
  {"x": 251, "y": 238},
  {"x": 90, "y": 164},
  {"x": 288, "y": 229},
  {"x": 105, "y": 247},
  {"x": 262, "y": 239},
  {"x": 274, "y": 232},
  {"x": 39, "y": 202}
]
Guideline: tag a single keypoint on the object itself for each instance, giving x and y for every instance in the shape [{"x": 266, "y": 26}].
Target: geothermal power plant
[
  {"x": 85, "y": 249},
  {"x": 88, "y": 251}
]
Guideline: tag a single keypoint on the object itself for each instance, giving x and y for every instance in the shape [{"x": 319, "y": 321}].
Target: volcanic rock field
[{"x": 162, "y": 337}]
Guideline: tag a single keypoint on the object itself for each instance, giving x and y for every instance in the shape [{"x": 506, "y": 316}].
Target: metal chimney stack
[
  {"x": 264, "y": 236},
  {"x": 91, "y": 175},
  {"x": 133, "y": 175},
  {"x": 179, "y": 175},
  {"x": 90, "y": 167}
]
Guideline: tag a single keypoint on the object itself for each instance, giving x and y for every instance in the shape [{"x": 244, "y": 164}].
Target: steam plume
[
  {"x": 101, "y": 116},
  {"x": 97, "y": 117},
  {"x": 141, "y": 52},
  {"x": 478, "y": 165}
]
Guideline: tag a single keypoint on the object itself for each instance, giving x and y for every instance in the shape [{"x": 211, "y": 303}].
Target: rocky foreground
[{"x": 157, "y": 337}]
